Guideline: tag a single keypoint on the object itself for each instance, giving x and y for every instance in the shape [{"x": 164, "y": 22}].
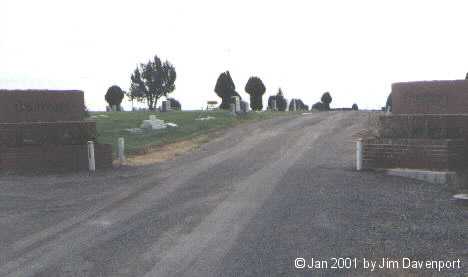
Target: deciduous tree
[{"x": 151, "y": 81}]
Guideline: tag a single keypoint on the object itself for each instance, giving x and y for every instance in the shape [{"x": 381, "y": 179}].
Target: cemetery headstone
[
  {"x": 236, "y": 101},
  {"x": 165, "y": 106},
  {"x": 153, "y": 123}
]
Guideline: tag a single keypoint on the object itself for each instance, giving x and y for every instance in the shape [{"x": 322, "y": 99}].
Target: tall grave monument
[
  {"x": 45, "y": 130},
  {"x": 427, "y": 129}
]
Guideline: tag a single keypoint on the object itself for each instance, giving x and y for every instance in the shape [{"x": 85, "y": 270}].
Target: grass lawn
[{"x": 112, "y": 125}]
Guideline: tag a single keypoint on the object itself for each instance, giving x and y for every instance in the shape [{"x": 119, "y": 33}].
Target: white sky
[{"x": 354, "y": 49}]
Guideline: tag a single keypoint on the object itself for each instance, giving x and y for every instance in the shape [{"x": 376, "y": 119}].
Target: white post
[
  {"x": 359, "y": 155},
  {"x": 91, "y": 161},
  {"x": 121, "y": 150}
]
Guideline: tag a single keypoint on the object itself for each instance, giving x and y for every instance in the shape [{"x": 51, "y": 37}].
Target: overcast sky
[{"x": 354, "y": 49}]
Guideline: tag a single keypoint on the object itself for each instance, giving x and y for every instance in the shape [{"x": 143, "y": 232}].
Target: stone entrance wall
[
  {"x": 424, "y": 126},
  {"x": 42, "y": 130},
  {"x": 41, "y": 105},
  {"x": 432, "y": 154},
  {"x": 56, "y": 158},
  {"x": 430, "y": 97},
  {"x": 428, "y": 128}
]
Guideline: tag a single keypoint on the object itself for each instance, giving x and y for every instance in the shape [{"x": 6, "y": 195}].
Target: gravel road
[{"x": 245, "y": 204}]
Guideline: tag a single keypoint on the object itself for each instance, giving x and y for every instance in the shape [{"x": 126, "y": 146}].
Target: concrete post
[
  {"x": 91, "y": 160},
  {"x": 121, "y": 150},
  {"x": 359, "y": 155}
]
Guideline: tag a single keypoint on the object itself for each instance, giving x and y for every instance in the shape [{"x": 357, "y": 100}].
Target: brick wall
[
  {"x": 432, "y": 154},
  {"x": 39, "y": 133},
  {"x": 55, "y": 158},
  {"x": 424, "y": 126}
]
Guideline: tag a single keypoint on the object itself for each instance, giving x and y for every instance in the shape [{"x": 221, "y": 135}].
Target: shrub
[
  {"x": 225, "y": 89},
  {"x": 114, "y": 96},
  {"x": 300, "y": 106},
  {"x": 355, "y": 107},
  {"x": 255, "y": 88},
  {"x": 326, "y": 100},
  {"x": 388, "y": 104},
  {"x": 270, "y": 102},
  {"x": 281, "y": 103},
  {"x": 175, "y": 105},
  {"x": 318, "y": 106}
]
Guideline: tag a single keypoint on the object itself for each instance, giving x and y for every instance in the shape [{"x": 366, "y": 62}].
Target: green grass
[{"x": 113, "y": 126}]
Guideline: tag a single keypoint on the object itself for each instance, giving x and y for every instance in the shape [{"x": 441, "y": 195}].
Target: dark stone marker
[
  {"x": 41, "y": 106},
  {"x": 430, "y": 97}
]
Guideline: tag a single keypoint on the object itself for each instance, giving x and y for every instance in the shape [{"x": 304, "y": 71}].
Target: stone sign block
[
  {"x": 430, "y": 97},
  {"x": 41, "y": 106}
]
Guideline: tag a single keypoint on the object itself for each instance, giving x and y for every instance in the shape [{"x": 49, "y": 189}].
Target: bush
[
  {"x": 270, "y": 101},
  {"x": 388, "y": 104},
  {"x": 225, "y": 89},
  {"x": 300, "y": 106},
  {"x": 114, "y": 96},
  {"x": 175, "y": 105},
  {"x": 355, "y": 107},
  {"x": 281, "y": 103},
  {"x": 326, "y": 100},
  {"x": 318, "y": 106},
  {"x": 255, "y": 88}
]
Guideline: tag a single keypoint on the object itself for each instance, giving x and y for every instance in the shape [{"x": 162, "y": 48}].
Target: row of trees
[
  {"x": 155, "y": 79},
  {"x": 225, "y": 89}
]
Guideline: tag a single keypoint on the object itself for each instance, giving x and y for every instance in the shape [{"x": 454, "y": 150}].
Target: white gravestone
[
  {"x": 153, "y": 123},
  {"x": 236, "y": 101}
]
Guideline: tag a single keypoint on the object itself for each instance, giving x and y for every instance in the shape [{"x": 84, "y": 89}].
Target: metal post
[
  {"x": 359, "y": 155},
  {"x": 91, "y": 160},
  {"x": 121, "y": 150}
]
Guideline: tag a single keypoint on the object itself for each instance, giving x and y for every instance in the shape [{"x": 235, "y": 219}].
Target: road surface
[{"x": 248, "y": 203}]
